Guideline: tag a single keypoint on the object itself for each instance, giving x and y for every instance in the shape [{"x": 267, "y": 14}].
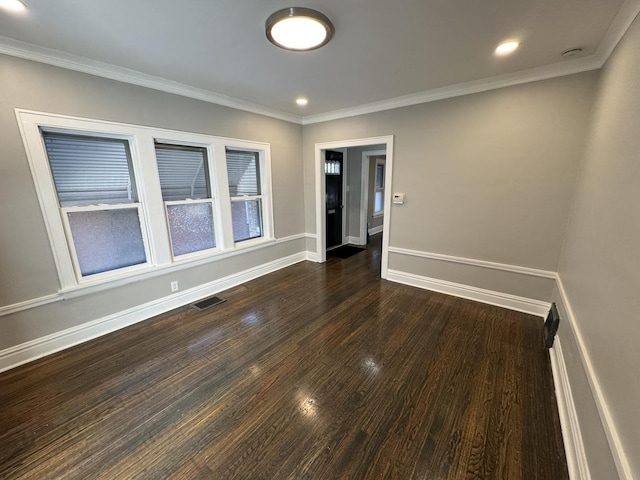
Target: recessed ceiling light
[
  {"x": 299, "y": 29},
  {"x": 13, "y": 5},
  {"x": 302, "y": 101},
  {"x": 507, "y": 47}
]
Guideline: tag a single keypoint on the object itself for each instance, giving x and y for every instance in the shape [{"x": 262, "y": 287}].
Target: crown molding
[
  {"x": 28, "y": 51},
  {"x": 623, "y": 19},
  {"x": 627, "y": 13},
  {"x": 545, "y": 72},
  {"x": 619, "y": 25}
]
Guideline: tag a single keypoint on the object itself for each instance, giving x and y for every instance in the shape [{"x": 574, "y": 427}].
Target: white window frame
[
  {"x": 379, "y": 161},
  {"x": 95, "y": 208},
  {"x": 187, "y": 140},
  {"x": 151, "y": 206},
  {"x": 264, "y": 163},
  {"x": 199, "y": 253}
]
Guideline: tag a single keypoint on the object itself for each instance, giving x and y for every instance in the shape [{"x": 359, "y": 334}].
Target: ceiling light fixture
[
  {"x": 302, "y": 101},
  {"x": 299, "y": 29},
  {"x": 13, "y": 5},
  {"x": 507, "y": 47}
]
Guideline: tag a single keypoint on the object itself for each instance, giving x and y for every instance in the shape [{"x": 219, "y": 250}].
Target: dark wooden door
[{"x": 333, "y": 176}]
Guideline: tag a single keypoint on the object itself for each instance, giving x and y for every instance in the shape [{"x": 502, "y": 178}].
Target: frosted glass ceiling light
[
  {"x": 13, "y": 5},
  {"x": 299, "y": 29}
]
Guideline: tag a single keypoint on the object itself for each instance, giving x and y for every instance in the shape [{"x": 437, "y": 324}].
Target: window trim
[
  {"x": 152, "y": 210},
  {"x": 264, "y": 163}
]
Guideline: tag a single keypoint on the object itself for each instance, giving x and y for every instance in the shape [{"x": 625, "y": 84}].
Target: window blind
[
  {"x": 243, "y": 172},
  {"x": 90, "y": 170},
  {"x": 183, "y": 172}
]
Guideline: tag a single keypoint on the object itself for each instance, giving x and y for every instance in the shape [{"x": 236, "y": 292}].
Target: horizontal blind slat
[
  {"x": 182, "y": 171},
  {"x": 243, "y": 173},
  {"x": 89, "y": 170}
]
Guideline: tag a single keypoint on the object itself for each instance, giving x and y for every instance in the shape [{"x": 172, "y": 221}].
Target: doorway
[
  {"x": 321, "y": 193},
  {"x": 334, "y": 194},
  {"x": 372, "y": 194}
]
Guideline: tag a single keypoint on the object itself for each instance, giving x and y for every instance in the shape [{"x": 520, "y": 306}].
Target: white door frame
[
  {"x": 321, "y": 240},
  {"x": 364, "y": 196},
  {"x": 345, "y": 197}
]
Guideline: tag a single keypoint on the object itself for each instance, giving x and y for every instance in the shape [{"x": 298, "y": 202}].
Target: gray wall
[
  {"x": 600, "y": 263},
  {"x": 26, "y": 261},
  {"x": 488, "y": 176}
]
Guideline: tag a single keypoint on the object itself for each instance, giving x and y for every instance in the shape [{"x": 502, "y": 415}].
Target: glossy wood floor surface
[{"x": 312, "y": 372}]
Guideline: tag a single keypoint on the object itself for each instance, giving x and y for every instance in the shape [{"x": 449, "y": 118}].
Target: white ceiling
[{"x": 384, "y": 53}]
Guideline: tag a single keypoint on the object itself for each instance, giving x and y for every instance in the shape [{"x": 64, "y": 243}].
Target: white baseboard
[
  {"x": 374, "y": 230},
  {"x": 55, "y": 342},
  {"x": 162, "y": 270},
  {"x": 512, "y": 302},
  {"x": 610, "y": 430},
  {"x": 311, "y": 256},
  {"x": 355, "y": 241},
  {"x": 503, "y": 267},
  {"x": 571, "y": 434}
]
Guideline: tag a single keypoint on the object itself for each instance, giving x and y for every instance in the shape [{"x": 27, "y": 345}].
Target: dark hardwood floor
[{"x": 312, "y": 372}]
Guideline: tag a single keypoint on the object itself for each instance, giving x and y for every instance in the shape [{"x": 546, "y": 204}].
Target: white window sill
[
  {"x": 378, "y": 214},
  {"x": 88, "y": 287}
]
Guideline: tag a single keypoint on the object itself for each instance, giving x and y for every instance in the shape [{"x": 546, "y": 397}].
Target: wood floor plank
[{"x": 312, "y": 372}]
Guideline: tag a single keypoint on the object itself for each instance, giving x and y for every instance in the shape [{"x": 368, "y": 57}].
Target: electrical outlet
[{"x": 174, "y": 286}]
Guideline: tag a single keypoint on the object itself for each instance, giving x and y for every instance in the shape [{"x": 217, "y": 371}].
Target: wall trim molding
[
  {"x": 62, "y": 294},
  {"x": 611, "y": 432},
  {"x": 505, "y": 300},
  {"x": 55, "y": 342},
  {"x": 354, "y": 240},
  {"x": 618, "y": 27},
  {"x": 476, "y": 263},
  {"x": 571, "y": 433},
  {"x": 621, "y": 22},
  {"x": 544, "y": 72},
  {"x": 29, "y": 51},
  {"x": 27, "y": 304},
  {"x": 311, "y": 257},
  {"x": 378, "y": 229},
  {"x": 290, "y": 238}
]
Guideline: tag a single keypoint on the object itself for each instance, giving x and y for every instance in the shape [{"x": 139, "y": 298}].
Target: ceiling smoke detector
[{"x": 572, "y": 52}]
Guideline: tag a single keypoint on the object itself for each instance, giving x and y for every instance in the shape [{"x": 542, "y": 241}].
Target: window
[
  {"x": 186, "y": 191},
  {"x": 243, "y": 171},
  {"x": 99, "y": 207},
  {"x": 378, "y": 204},
  {"x": 121, "y": 200}
]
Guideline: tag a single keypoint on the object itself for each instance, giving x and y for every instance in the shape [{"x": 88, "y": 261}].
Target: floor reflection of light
[
  {"x": 255, "y": 370},
  {"x": 307, "y": 405},
  {"x": 250, "y": 319},
  {"x": 371, "y": 365}
]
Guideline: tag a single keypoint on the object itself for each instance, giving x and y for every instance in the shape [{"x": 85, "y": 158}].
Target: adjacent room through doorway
[{"x": 352, "y": 201}]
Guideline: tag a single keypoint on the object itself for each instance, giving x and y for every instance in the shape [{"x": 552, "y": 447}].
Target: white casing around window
[{"x": 153, "y": 213}]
